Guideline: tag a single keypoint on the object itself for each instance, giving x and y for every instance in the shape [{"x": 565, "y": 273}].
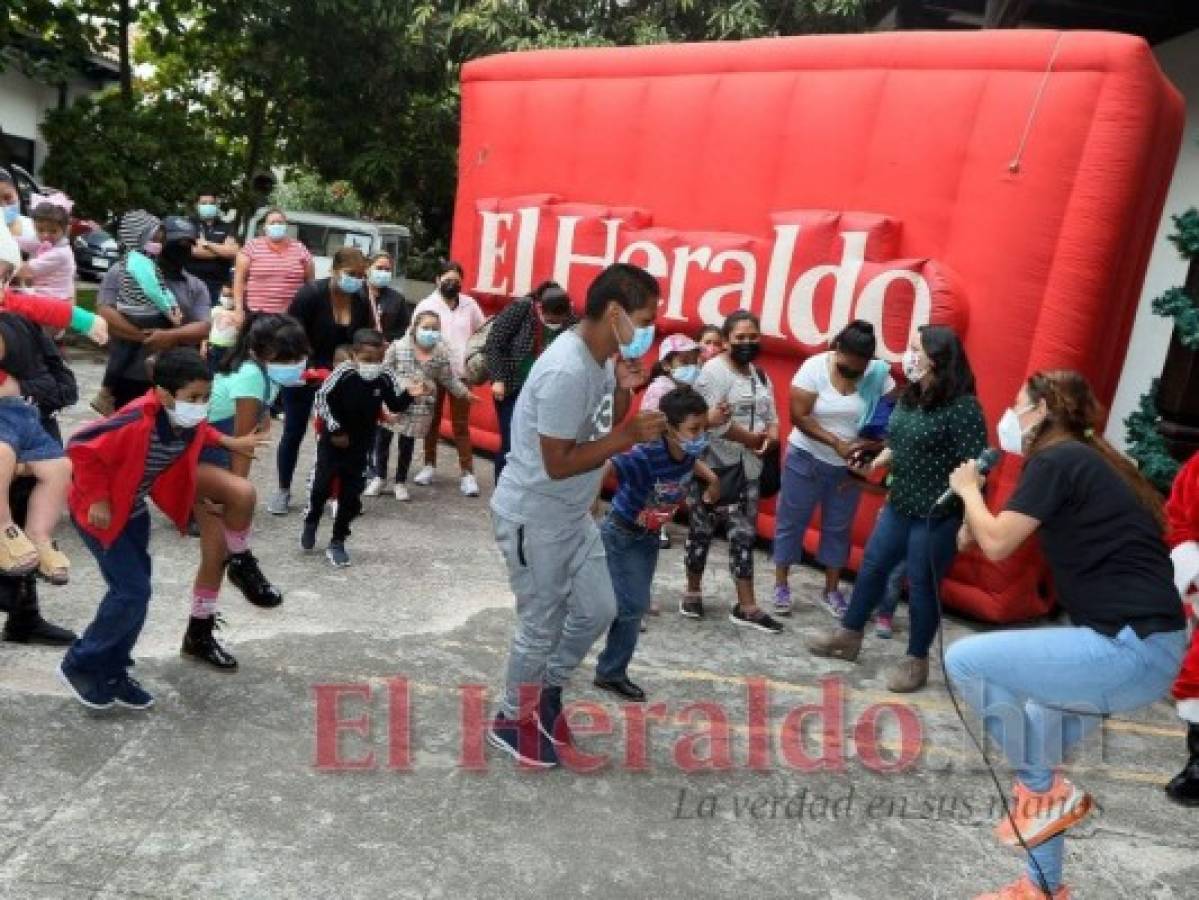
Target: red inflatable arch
[{"x": 1007, "y": 182}]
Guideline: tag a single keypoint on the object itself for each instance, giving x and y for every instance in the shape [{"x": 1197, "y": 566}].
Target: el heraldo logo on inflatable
[
  {"x": 1007, "y": 183},
  {"x": 815, "y": 273}
]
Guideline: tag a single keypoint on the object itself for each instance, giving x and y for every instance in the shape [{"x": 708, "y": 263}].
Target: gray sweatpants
[{"x": 564, "y": 601}]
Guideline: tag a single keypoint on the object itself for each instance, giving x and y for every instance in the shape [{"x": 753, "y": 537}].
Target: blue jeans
[
  {"x": 924, "y": 545},
  {"x": 894, "y": 592},
  {"x": 808, "y": 483},
  {"x": 503, "y": 413},
  {"x": 104, "y": 651},
  {"x": 297, "y": 410},
  {"x": 632, "y": 559},
  {"x": 1041, "y": 691}
]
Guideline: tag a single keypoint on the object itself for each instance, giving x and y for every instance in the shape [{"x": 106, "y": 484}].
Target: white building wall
[
  {"x": 1179, "y": 59},
  {"x": 24, "y": 104}
]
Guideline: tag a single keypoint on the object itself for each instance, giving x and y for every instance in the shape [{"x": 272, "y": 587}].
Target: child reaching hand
[
  {"x": 349, "y": 404},
  {"x": 420, "y": 357},
  {"x": 150, "y": 450},
  {"x": 655, "y": 479}
]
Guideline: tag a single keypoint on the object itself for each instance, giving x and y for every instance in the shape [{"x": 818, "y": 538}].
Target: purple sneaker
[
  {"x": 835, "y": 603},
  {"x": 782, "y": 599}
]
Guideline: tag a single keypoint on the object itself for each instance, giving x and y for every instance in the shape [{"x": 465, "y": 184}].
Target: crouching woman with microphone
[{"x": 1040, "y": 692}]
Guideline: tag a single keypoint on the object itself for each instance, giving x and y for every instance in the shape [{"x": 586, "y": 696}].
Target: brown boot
[
  {"x": 909, "y": 676},
  {"x": 838, "y": 643}
]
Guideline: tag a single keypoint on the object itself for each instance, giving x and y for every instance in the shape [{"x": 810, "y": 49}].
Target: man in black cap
[{"x": 130, "y": 343}]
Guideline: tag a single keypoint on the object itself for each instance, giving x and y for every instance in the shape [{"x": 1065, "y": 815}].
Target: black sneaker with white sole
[
  {"x": 759, "y": 620},
  {"x": 93, "y": 693},
  {"x": 692, "y": 606},
  {"x": 337, "y": 555},
  {"x": 523, "y": 741},
  {"x": 131, "y": 695}
]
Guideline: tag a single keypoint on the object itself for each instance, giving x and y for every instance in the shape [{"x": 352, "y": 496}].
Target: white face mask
[
  {"x": 1011, "y": 435},
  {"x": 187, "y": 415},
  {"x": 370, "y": 371},
  {"x": 913, "y": 366}
]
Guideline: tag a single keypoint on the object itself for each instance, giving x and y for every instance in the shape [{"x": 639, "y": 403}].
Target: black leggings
[{"x": 382, "y": 454}]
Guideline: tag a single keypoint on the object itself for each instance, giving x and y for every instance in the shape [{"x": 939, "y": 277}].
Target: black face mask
[
  {"x": 743, "y": 354},
  {"x": 848, "y": 373},
  {"x": 175, "y": 254},
  {"x": 449, "y": 289}
]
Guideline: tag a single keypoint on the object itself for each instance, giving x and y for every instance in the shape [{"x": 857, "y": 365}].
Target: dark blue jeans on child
[
  {"x": 104, "y": 652},
  {"x": 632, "y": 558}
]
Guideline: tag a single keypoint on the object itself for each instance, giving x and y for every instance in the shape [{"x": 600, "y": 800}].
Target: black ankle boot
[
  {"x": 25, "y": 624},
  {"x": 200, "y": 643},
  {"x": 247, "y": 577},
  {"x": 1184, "y": 787}
]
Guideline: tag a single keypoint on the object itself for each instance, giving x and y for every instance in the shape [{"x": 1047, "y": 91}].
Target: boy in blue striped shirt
[{"x": 654, "y": 482}]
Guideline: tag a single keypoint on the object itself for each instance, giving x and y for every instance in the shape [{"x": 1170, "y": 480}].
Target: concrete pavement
[{"x": 216, "y": 792}]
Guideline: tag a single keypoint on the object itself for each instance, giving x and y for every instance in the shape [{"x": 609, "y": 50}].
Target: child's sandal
[
  {"x": 18, "y": 556},
  {"x": 53, "y": 564}
]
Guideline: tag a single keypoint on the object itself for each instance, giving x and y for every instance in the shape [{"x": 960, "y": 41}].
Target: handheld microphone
[{"x": 986, "y": 462}]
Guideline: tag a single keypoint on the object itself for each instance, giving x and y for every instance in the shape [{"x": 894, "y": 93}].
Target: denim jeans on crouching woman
[
  {"x": 1041, "y": 691},
  {"x": 632, "y": 559},
  {"x": 925, "y": 545}
]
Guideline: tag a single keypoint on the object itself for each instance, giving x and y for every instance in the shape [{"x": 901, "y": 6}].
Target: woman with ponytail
[
  {"x": 1040, "y": 692},
  {"x": 833, "y": 397},
  {"x": 269, "y": 355}
]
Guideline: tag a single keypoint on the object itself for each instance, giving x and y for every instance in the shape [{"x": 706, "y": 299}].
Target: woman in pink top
[
  {"x": 460, "y": 317},
  {"x": 270, "y": 269}
]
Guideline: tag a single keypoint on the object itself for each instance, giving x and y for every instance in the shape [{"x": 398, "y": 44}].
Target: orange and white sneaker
[
  {"x": 1024, "y": 889},
  {"x": 1041, "y": 815}
]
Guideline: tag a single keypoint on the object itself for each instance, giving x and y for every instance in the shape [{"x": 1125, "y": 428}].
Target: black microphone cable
[{"x": 1043, "y": 884}]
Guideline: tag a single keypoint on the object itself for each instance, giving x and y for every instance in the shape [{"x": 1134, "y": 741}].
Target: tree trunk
[
  {"x": 124, "y": 16},
  {"x": 1178, "y": 391}
]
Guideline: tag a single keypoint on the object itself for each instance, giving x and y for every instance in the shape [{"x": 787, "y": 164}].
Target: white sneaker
[
  {"x": 470, "y": 487},
  {"x": 425, "y": 476},
  {"x": 402, "y": 494},
  {"x": 373, "y": 488}
]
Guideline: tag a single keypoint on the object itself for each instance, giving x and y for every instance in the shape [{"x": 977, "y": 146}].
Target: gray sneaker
[
  {"x": 280, "y": 503},
  {"x": 336, "y": 554}
]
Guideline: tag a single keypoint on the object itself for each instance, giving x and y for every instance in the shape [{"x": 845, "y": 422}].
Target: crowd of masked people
[{"x": 208, "y": 340}]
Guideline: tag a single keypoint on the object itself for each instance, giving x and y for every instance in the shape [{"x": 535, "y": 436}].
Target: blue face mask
[
  {"x": 428, "y": 337},
  {"x": 12, "y": 213},
  {"x": 685, "y": 374},
  {"x": 276, "y": 231},
  {"x": 207, "y": 210},
  {"x": 286, "y": 374},
  {"x": 696, "y": 446},
  {"x": 348, "y": 284},
  {"x": 643, "y": 339},
  {"x": 380, "y": 278}
]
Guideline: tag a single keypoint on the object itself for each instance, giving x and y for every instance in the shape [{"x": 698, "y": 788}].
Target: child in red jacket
[
  {"x": 150, "y": 448},
  {"x": 1182, "y": 517}
]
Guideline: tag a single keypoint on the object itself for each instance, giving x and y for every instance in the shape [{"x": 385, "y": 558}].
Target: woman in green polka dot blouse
[{"x": 937, "y": 425}]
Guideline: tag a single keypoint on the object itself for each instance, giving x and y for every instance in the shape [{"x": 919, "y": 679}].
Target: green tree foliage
[
  {"x": 111, "y": 156},
  {"x": 367, "y": 90}
]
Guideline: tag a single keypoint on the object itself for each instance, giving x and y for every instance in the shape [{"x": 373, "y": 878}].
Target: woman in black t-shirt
[{"x": 1042, "y": 691}]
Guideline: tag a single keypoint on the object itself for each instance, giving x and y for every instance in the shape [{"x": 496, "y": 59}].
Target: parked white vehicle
[{"x": 324, "y": 235}]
